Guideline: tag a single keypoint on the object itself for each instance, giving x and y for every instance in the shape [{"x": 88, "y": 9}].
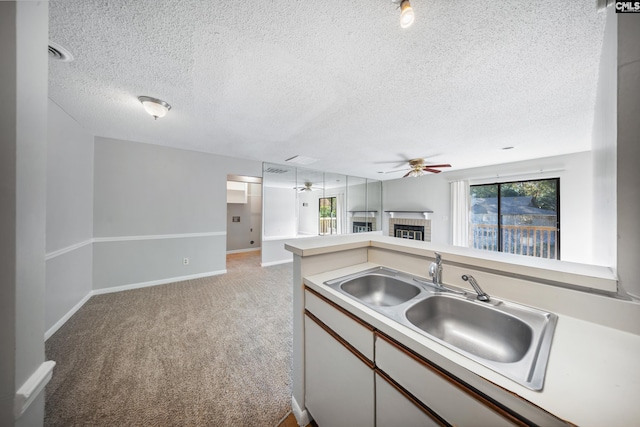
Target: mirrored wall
[{"x": 299, "y": 202}]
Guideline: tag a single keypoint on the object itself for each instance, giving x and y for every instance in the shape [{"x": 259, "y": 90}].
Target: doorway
[{"x": 244, "y": 216}]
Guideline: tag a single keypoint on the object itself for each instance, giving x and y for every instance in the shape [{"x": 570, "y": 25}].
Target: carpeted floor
[{"x": 206, "y": 352}]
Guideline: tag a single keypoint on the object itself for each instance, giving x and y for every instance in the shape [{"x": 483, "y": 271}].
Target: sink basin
[
  {"x": 478, "y": 329},
  {"x": 380, "y": 290},
  {"x": 509, "y": 338}
]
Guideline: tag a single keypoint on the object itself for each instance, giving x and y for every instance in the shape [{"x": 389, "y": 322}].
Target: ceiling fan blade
[
  {"x": 438, "y": 166},
  {"x": 426, "y": 169},
  {"x": 407, "y": 174}
]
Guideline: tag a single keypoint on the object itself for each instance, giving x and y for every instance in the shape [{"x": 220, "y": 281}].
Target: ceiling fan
[
  {"x": 308, "y": 186},
  {"x": 418, "y": 168}
]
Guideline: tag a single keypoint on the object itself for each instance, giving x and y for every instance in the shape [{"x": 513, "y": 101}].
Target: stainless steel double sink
[{"x": 511, "y": 339}]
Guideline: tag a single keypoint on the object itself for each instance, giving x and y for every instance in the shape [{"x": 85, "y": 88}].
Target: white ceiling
[{"x": 339, "y": 81}]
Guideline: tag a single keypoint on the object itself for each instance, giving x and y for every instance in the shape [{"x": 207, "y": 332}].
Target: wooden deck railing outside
[
  {"x": 328, "y": 226},
  {"x": 538, "y": 241}
]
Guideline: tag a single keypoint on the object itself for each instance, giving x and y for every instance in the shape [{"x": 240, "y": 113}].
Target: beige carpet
[{"x": 205, "y": 352}]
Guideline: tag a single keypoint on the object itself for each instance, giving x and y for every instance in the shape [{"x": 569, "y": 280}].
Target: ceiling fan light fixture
[
  {"x": 155, "y": 107},
  {"x": 406, "y": 14},
  {"x": 415, "y": 173}
]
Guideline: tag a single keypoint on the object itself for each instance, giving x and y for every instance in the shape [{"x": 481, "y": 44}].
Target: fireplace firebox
[
  {"x": 362, "y": 227},
  {"x": 412, "y": 232}
]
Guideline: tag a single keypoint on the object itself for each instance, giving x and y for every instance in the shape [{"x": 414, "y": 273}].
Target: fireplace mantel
[
  {"x": 409, "y": 214},
  {"x": 366, "y": 213}
]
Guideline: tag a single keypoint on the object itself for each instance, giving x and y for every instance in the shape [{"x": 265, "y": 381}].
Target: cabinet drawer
[
  {"x": 447, "y": 398},
  {"x": 355, "y": 332},
  {"x": 394, "y": 409}
]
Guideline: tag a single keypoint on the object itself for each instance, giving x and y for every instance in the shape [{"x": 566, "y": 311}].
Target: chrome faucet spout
[
  {"x": 482, "y": 295},
  {"x": 435, "y": 270}
]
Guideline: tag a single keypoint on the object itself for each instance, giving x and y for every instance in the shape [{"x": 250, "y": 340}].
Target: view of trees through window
[
  {"x": 328, "y": 215},
  {"x": 520, "y": 217}
]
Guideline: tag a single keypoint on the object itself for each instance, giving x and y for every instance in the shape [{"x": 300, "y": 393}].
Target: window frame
[{"x": 499, "y": 213}]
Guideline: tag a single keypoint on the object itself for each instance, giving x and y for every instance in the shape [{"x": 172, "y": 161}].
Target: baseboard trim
[
  {"x": 269, "y": 264},
  {"x": 302, "y": 417},
  {"x": 31, "y": 388},
  {"x": 52, "y": 330},
  {"x": 240, "y": 251},
  {"x": 156, "y": 282}
]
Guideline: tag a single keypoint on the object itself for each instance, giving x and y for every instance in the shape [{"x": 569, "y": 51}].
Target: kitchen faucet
[
  {"x": 482, "y": 295},
  {"x": 435, "y": 271}
]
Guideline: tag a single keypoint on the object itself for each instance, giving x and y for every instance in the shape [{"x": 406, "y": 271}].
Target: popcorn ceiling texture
[{"x": 335, "y": 80}]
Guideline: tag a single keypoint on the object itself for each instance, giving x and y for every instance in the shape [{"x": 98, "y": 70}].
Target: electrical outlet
[{"x": 185, "y": 261}]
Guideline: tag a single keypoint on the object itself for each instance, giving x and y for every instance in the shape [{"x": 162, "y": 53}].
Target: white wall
[
  {"x": 23, "y": 132},
  {"x": 249, "y": 229},
  {"x": 279, "y": 212},
  {"x": 154, "y": 206},
  {"x": 309, "y": 215},
  {"x": 604, "y": 239},
  {"x": 432, "y": 192},
  {"x": 628, "y": 149},
  {"x": 69, "y": 216}
]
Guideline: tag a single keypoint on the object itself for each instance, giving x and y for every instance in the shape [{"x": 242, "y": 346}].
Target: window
[
  {"x": 328, "y": 215},
  {"x": 520, "y": 217}
]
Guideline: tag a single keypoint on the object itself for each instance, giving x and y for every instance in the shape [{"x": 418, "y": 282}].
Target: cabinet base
[{"x": 302, "y": 417}]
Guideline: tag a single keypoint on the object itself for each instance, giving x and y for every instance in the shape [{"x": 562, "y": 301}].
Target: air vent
[
  {"x": 276, "y": 170},
  {"x": 59, "y": 53},
  {"x": 603, "y": 4},
  {"x": 301, "y": 160}
]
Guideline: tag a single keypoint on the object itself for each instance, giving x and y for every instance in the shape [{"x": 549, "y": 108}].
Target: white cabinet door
[
  {"x": 394, "y": 409},
  {"x": 442, "y": 395},
  {"x": 339, "y": 387}
]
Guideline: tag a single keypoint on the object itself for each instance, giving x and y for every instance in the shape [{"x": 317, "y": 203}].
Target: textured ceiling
[{"x": 335, "y": 80}]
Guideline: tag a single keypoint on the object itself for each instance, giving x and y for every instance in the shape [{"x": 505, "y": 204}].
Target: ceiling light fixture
[
  {"x": 155, "y": 107},
  {"x": 406, "y": 13}
]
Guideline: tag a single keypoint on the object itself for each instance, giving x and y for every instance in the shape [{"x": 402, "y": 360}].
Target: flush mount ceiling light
[
  {"x": 406, "y": 13},
  {"x": 155, "y": 107}
]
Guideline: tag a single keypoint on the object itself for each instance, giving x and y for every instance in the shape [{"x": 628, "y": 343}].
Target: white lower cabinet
[
  {"x": 451, "y": 401},
  {"x": 339, "y": 386},
  {"x": 356, "y": 376},
  {"x": 394, "y": 409}
]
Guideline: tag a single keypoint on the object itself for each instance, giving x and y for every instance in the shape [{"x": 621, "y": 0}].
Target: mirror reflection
[{"x": 300, "y": 202}]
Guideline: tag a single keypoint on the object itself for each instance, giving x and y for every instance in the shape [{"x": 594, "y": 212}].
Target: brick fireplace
[{"x": 413, "y": 225}]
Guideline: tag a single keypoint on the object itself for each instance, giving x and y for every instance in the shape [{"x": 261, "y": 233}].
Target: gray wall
[
  {"x": 628, "y": 152},
  {"x": 8, "y": 147},
  {"x": 154, "y": 206},
  {"x": 69, "y": 215},
  {"x": 240, "y": 234},
  {"x": 23, "y": 118}
]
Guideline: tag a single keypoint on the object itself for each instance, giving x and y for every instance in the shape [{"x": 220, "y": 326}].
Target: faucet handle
[{"x": 438, "y": 257}]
